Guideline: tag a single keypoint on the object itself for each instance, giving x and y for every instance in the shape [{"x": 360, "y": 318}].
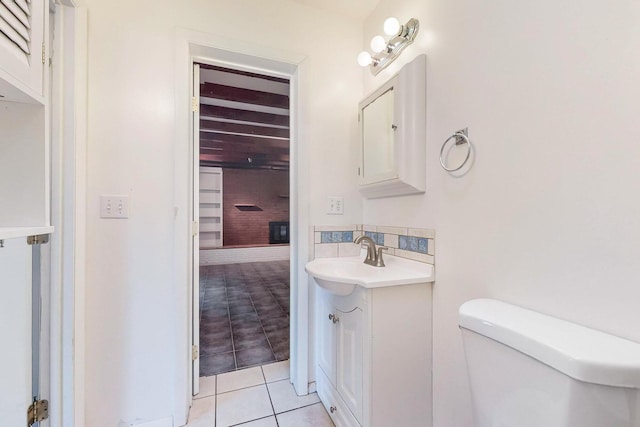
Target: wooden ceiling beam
[
  {"x": 209, "y": 146},
  {"x": 244, "y": 73},
  {"x": 243, "y": 115},
  {"x": 247, "y": 96},
  {"x": 243, "y": 158},
  {"x": 243, "y": 128},
  {"x": 242, "y": 139}
]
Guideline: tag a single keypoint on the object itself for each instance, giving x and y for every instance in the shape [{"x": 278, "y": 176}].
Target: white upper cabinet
[
  {"x": 393, "y": 135},
  {"x": 22, "y": 49},
  {"x": 24, "y": 120}
]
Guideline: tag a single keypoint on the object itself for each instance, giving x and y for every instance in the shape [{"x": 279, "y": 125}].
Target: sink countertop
[{"x": 352, "y": 270}]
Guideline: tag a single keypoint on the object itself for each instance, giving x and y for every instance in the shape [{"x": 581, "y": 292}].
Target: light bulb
[
  {"x": 391, "y": 26},
  {"x": 378, "y": 43},
  {"x": 364, "y": 59}
]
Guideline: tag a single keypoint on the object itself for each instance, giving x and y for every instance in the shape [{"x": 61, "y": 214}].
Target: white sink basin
[{"x": 341, "y": 275}]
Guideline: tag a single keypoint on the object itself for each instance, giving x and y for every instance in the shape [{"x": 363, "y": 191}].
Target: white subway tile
[
  {"x": 326, "y": 250},
  {"x": 348, "y": 227},
  {"x": 431, "y": 246},
  {"x": 348, "y": 249},
  {"x": 391, "y": 230},
  {"x": 416, "y": 256},
  {"x": 422, "y": 232},
  {"x": 391, "y": 240}
]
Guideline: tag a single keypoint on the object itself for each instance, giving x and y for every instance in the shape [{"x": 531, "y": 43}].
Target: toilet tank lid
[{"x": 580, "y": 352}]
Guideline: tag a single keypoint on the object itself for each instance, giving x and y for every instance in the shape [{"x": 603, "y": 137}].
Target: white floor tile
[
  {"x": 309, "y": 416},
  {"x": 240, "y": 379},
  {"x": 244, "y": 405},
  {"x": 203, "y": 412},
  {"x": 207, "y": 387},
  {"x": 284, "y": 398},
  {"x": 263, "y": 422},
  {"x": 276, "y": 371}
]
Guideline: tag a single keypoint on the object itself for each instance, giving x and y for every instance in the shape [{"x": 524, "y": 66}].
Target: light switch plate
[
  {"x": 336, "y": 205},
  {"x": 114, "y": 206}
]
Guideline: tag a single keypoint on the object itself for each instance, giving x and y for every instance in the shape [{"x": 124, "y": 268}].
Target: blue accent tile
[
  {"x": 422, "y": 245},
  {"x": 413, "y": 244},
  {"x": 370, "y": 234},
  {"x": 380, "y": 239},
  {"x": 325, "y": 237},
  {"x": 347, "y": 236},
  {"x": 336, "y": 236},
  {"x": 403, "y": 243}
]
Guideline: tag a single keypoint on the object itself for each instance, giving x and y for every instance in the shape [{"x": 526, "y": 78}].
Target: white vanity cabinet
[
  {"x": 374, "y": 356},
  {"x": 23, "y": 25}
]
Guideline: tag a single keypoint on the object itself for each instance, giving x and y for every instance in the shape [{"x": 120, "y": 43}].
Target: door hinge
[
  {"x": 194, "y": 104},
  {"x": 38, "y": 411},
  {"x": 194, "y": 228},
  {"x": 358, "y": 171},
  {"x": 38, "y": 240},
  {"x": 43, "y": 51},
  {"x": 194, "y": 352}
]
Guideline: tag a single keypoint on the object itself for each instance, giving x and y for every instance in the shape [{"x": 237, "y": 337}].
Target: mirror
[
  {"x": 393, "y": 134},
  {"x": 377, "y": 138}
]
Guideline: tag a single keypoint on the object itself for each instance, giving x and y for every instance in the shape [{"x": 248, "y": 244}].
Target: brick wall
[{"x": 262, "y": 188}]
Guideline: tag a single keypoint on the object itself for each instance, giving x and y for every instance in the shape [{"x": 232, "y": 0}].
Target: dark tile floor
[{"x": 244, "y": 315}]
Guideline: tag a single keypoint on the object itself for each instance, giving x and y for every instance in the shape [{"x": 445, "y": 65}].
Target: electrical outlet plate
[
  {"x": 336, "y": 205},
  {"x": 114, "y": 206}
]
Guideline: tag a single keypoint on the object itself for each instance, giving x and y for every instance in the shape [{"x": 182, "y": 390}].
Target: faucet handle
[{"x": 379, "y": 260}]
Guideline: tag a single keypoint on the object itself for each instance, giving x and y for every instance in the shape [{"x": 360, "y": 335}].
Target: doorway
[
  {"x": 241, "y": 269},
  {"x": 198, "y": 47}
]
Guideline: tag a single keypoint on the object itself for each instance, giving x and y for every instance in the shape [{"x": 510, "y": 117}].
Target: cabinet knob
[
  {"x": 334, "y": 318},
  {"x": 333, "y": 409}
]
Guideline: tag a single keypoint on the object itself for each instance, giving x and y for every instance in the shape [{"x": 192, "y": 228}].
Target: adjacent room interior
[{"x": 244, "y": 219}]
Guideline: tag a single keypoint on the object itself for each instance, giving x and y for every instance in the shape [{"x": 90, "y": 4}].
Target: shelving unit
[
  {"x": 24, "y": 197},
  {"x": 24, "y": 120},
  {"x": 210, "y": 207}
]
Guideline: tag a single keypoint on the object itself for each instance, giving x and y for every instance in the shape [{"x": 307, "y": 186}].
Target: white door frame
[
  {"x": 192, "y": 46},
  {"x": 68, "y": 215},
  {"x": 195, "y": 217}
]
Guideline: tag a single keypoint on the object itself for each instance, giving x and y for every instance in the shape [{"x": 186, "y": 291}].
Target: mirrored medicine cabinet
[{"x": 393, "y": 135}]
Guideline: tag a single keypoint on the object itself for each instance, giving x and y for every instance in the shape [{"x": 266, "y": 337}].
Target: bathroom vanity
[{"x": 373, "y": 345}]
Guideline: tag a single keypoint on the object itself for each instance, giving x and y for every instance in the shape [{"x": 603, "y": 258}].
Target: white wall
[
  {"x": 548, "y": 216},
  {"x": 130, "y": 296}
]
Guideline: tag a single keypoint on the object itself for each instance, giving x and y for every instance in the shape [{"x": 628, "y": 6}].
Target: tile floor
[
  {"x": 261, "y": 396},
  {"x": 244, "y": 315}
]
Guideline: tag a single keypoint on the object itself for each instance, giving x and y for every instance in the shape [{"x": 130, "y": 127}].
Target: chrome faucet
[{"x": 374, "y": 257}]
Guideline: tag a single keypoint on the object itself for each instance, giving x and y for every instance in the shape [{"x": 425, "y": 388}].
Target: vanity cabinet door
[
  {"x": 350, "y": 359},
  {"x": 327, "y": 338}
]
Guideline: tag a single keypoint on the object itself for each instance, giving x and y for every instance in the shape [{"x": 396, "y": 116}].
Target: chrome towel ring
[{"x": 461, "y": 137}]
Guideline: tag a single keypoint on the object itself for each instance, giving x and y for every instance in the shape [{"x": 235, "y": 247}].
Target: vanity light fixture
[{"x": 386, "y": 51}]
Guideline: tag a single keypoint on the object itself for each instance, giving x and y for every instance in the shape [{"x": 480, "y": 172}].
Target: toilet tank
[{"x": 527, "y": 369}]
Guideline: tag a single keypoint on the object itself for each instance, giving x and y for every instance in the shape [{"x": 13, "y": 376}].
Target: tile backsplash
[{"x": 417, "y": 244}]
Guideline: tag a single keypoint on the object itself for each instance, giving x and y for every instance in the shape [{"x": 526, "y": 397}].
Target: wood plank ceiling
[{"x": 244, "y": 119}]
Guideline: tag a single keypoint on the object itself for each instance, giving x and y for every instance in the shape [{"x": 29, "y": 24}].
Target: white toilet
[{"x": 527, "y": 369}]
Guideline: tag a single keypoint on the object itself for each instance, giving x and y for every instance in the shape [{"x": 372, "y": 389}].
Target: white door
[
  {"x": 350, "y": 358},
  {"x": 326, "y": 347},
  {"x": 195, "y": 241},
  {"x": 15, "y": 332}
]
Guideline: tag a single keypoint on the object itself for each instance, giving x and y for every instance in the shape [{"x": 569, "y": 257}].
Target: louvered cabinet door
[{"x": 22, "y": 25}]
